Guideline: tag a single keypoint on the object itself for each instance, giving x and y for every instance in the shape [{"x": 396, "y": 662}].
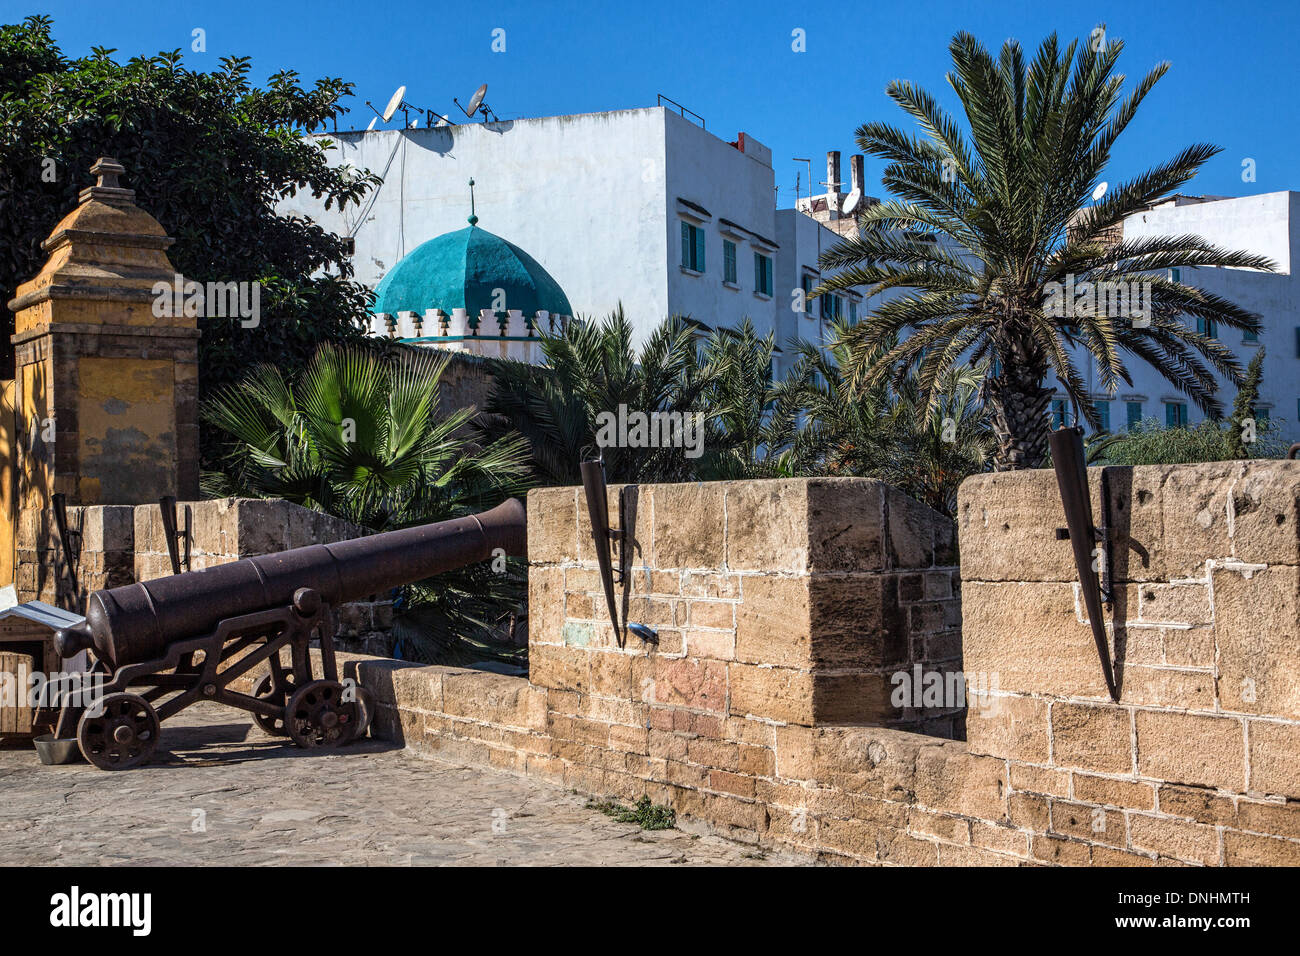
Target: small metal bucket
[{"x": 54, "y": 750}]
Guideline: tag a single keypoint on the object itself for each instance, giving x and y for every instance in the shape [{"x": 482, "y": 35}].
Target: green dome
[{"x": 461, "y": 270}]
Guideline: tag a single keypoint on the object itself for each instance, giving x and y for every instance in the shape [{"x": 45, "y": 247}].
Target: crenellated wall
[
  {"x": 759, "y": 713},
  {"x": 509, "y": 335}
]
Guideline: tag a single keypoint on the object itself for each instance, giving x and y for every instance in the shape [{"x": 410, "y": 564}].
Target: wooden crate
[
  {"x": 26, "y": 648},
  {"x": 15, "y": 709}
]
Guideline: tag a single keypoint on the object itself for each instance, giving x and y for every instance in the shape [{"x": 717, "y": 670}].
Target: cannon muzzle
[
  {"x": 137, "y": 622},
  {"x": 71, "y": 641}
]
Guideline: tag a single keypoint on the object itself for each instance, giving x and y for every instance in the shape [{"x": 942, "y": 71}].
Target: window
[
  {"x": 1134, "y": 412},
  {"x": 762, "y": 274},
  {"x": 832, "y": 306},
  {"x": 1058, "y": 413},
  {"x": 1207, "y": 327},
  {"x": 1175, "y": 414},
  {"x": 1176, "y": 275},
  {"x": 1103, "y": 412},
  {"x": 1250, "y": 335},
  {"x": 853, "y": 310},
  {"x": 728, "y": 261},
  {"x": 1261, "y": 414},
  {"x": 807, "y": 284},
  {"x": 1297, "y": 341},
  {"x": 692, "y": 247}
]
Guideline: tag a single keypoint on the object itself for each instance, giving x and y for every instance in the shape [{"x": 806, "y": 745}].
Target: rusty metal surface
[
  {"x": 136, "y": 622},
  {"x": 188, "y": 638}
]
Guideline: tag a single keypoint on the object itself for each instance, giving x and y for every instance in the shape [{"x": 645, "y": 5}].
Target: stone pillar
[{"x": 105, "y": 391}]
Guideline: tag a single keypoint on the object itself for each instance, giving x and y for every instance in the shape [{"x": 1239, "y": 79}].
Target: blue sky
[{"x": 1232, "y": 81}]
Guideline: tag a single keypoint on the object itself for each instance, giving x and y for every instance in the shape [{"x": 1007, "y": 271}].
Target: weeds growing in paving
[{"x": 645, "y": 814}]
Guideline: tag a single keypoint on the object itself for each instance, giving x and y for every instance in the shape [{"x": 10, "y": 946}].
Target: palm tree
[
  {"x": 591, "y": 368},
  {"x": 985, "y": 232},
  {"x": 359, "y": 435},
  {"x": 752, "y": 420},
  {"x": 925, "y": 445}
]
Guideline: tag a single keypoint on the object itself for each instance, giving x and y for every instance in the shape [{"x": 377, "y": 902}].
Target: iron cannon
[{"x": 189, "y": 636}]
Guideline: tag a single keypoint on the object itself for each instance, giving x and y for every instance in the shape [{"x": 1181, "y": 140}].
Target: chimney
[
  {"x": 833, "y": 182},
  {"x": 856, "y": 175}
]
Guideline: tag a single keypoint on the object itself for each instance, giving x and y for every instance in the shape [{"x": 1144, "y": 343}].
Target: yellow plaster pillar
[{"x": 105, "y": 389}]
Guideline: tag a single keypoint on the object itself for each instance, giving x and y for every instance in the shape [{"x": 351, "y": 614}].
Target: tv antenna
[{"x": 477, "y": 105}]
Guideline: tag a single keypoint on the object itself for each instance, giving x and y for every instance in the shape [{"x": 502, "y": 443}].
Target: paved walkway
[{"x": 221, "y": 791}]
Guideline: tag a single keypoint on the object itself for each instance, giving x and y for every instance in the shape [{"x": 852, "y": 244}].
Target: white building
[
  {"x": 640, "y": 207},
  {"x": 646, "y": 208},
  {"x": 1267, "y": 224}
]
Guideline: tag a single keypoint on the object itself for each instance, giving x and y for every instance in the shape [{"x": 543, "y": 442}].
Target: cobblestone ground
[{"x": 264, "y": 801}]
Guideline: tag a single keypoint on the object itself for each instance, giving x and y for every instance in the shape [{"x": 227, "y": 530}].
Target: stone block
[
  {"x": 684, "y": 682},
  {"x": 1255, "y": 627},
  {"x": 1275, "y": 758},
  {"x": 773, "y": 624},
  {"x": 774, "y": 693},
  {"x": 846, "y": 524},
  {"x": 1266, "y": 513},
  {"x": 1178, "y": 839},
  {"x": 1248, "y": 849},
  {"x": 688, "y": 525},
  {"x": 1092, "y": 738},
  {"x": 767, "y": 526},
  {"x": 1030, "y": 636},
  {"x": 1191, "y": 749},
  {"x": 552, "y": 525},
  {"x": 854, "y": 620},
  {"x": 909, "y": 531},
  {"x": 951, "y": 780},
  {"x": 1012, "y": 727}
]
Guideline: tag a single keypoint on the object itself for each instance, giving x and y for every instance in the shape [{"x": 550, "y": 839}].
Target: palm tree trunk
[{"x": 1019, "y": 417}]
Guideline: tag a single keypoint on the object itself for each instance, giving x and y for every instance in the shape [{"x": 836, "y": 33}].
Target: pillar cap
[{"x": 105, "y": 249}]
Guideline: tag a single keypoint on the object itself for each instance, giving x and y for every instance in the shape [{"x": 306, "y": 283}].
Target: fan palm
[
  {"x": 359, "y": 435},
  {"x": 986, "y": 231}
]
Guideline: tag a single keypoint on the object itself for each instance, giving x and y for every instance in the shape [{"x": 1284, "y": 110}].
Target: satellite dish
[
  {"x": 851, "y": 201},
  {"x": 394, "y": 103},
  {"x": 1099, "y": 191},
  {"x": 372, "y": 124},
  {"x": 476, "y": 100}
]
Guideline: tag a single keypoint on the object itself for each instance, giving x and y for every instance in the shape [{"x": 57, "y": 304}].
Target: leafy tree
[
  {"x": 359, "y": 435},
  {"x": 591, "y": 370},
  {"x": 209, "y": 155},
  {"x": 990, "y": 224}
]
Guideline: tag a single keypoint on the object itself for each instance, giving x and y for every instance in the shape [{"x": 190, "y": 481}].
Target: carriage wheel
[
  {"x": 122, "y": 735},
  {"x": 318, "y": 716},
  {"x": 265, "y": 689}
]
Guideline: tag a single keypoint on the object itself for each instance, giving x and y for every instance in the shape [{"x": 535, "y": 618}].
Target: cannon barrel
[{"x": 136, "y": 622}]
